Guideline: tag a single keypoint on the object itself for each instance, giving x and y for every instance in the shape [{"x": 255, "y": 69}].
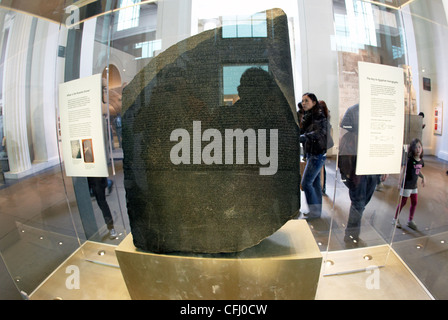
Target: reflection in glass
[
  {"x": 129, "y": 16},
  {"x": 148, "y": 48},
  {"x": 373, "y": 33},
  {"x": 231, "y": 80},
  {"x": 244, "y": 26},
  {"x": 359, "y": 24},
  {"x": 364, "y": 205}
]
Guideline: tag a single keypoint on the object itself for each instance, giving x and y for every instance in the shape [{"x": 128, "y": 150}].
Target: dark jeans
[
  {"x": 360, "y": 194},
  {"x": 99, "y": 186},
  {"x": 311, "y": 184}
]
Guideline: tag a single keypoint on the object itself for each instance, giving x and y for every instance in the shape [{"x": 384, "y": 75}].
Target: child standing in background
[{"x": 410, "y": 190}]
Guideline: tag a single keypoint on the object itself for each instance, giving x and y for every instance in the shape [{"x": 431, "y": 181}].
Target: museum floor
[
  {"x": 103, "y": 280},
  {"x": 39, "y": 241}
]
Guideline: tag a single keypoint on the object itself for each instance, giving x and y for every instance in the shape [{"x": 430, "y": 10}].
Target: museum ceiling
[
  {"x": 55, "y": 10},
  {"x": 397, "y": 4}
]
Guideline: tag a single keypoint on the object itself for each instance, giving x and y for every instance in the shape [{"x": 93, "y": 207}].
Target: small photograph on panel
[
  {"x": 87, "y": 150},
  {"x": 76, "y": 149}
]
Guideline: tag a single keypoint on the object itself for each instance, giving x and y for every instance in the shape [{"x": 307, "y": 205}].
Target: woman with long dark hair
[{"x": 313, "y": 136}]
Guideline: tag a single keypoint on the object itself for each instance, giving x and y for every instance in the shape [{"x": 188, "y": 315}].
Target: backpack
[{"x": 347, "y": 155}]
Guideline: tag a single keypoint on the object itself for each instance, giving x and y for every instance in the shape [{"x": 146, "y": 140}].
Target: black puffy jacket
[{"x": 314, "y": 129}]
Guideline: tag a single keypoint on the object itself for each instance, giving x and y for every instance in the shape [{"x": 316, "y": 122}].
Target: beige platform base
[
  {"x": 103, "y": 280},
  {"x": 286, "y": 265},
  {"x": 91, "y": 273},
  {"x": 383, "y": 277}
]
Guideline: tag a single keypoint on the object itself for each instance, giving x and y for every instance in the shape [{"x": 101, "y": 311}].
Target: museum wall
[{"x": 432, "y": 44}]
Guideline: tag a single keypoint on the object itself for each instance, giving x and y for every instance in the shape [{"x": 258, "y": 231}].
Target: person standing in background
[
  {"x": 413, "y": 172},
  {"x": 313, "y": 135},
  {"x": 360, "y": 187}
]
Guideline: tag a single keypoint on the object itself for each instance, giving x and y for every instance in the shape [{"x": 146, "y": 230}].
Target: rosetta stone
[{"x": 211, "y": 207}]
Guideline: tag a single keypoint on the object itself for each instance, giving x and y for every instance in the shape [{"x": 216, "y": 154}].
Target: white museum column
[
  {"x": 14, "y": 94},
  {"x": 319, "y": 60},
  {"x": 42, "y": 94},
  {"x": 87, "y": 48},
  {"x": 173, "y": 21}
]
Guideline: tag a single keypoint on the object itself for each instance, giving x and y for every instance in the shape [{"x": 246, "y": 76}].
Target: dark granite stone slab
[{"x": 223, "y": 206}]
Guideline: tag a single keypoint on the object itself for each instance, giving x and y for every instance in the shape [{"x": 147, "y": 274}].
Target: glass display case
[{"x": 195, "y": 107}]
